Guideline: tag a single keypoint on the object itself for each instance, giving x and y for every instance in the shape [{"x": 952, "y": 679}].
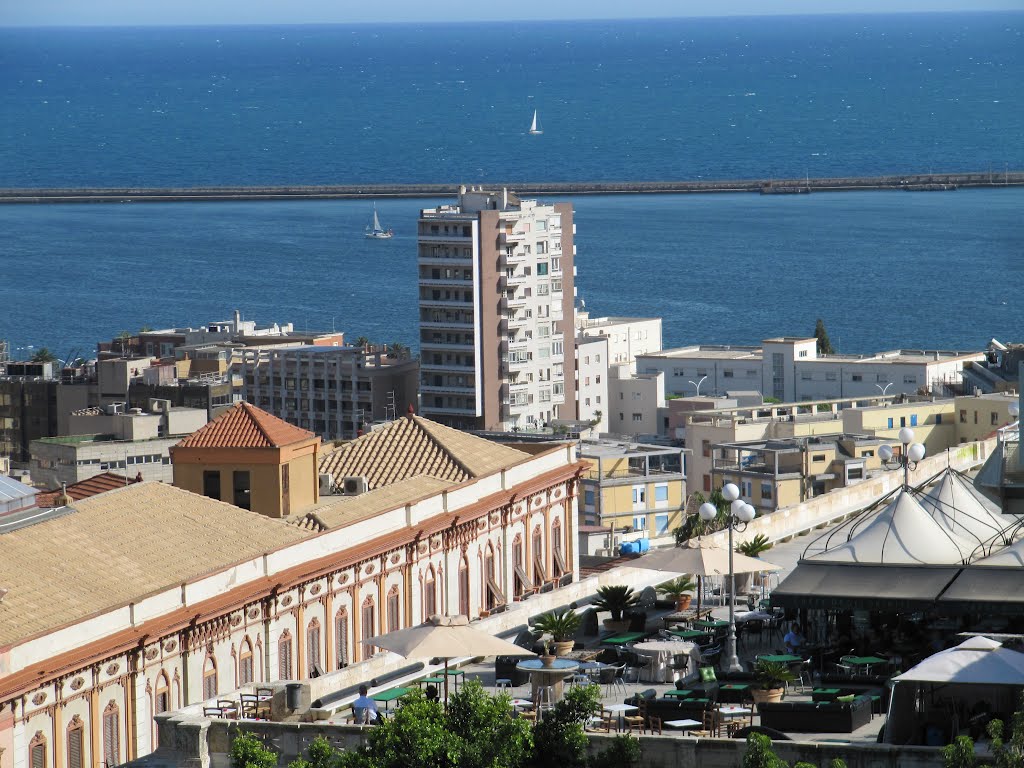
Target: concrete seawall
[{"x": 907, "y": 182}]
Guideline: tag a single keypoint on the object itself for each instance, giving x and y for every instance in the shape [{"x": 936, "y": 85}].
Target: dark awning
[
  {"x": 857, "y": 585},
  {"x": 986, "y": 589}
]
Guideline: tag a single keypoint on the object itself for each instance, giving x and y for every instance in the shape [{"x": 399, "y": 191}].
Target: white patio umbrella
[
  {"x": 446, "y": 637},
  {"x": 700, "y": 559},
  {"x": 978, "y": 660}
]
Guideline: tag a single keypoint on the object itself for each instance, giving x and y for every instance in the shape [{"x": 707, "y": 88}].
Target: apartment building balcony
[
  {"x": 446, "y": 367},
  {"x": 434, "y": 260},
  {"x": 513, "y": 364},
  {"x": 441, "y": 346},
  {"x": 445, "y": 237},
  {"x": 516, "y": 320},
  {"x": 443, "y": 324},
  {"x": 453, "y": 282},
  {"x": 446, "y": 303},
  {"x": 447, "y": 389},
  {"x": 511, "y": 238},
  {"x": 515, "y": 301},
  {"x": 517, "y": 255},
  {"x": 427, "y": 410},
  {"x": 755, "y": 469}
]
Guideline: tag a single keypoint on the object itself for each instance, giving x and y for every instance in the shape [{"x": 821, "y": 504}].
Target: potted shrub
[
  {"x": 770, "y": 679},
  {"x": 751, "y": 548},
  {"x": 680, "y": 590},
  {"x": 561, "y": 627},
  {"x": 616, "y": 599},
  {"x": 547, "y": 658}
]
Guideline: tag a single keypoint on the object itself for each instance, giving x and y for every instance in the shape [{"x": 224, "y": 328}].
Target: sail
[
  {"x": 535, "y": 125},
  {"x": 376, "y": 221}
]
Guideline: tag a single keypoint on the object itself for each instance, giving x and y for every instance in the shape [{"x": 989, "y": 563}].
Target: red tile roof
[
  {"x": 245, "y": 426},
  {"x": 83, "y": 489}
]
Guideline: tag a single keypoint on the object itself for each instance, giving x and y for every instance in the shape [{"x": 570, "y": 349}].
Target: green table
[
  {"x": 678, "y": 694},
  {"x": 435, "y": 680},
  {"x": 688, "y": 634},
  {"x": 628, "y": 637},
  {"x": 785, "y": 658},
  {"x": 719, "y": 624},
  {"x": 864, "y": 661},
  {"x": 386, "y": 697},
  {"x": 734, "y": 687},
  {"x": 455, "y": 674}
]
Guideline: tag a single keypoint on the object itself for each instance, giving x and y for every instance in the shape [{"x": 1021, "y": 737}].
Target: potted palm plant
[
  {"x": 751, "y": 548},
  {"x": 770, "y": 679},
  {"x": 680, "y": 590},
  {"x": 616, "y": 599},
  {"x": 561, "y": 627}
]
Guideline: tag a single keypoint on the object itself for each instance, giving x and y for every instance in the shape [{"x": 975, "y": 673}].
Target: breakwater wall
[{"x": 907, "y": 182}]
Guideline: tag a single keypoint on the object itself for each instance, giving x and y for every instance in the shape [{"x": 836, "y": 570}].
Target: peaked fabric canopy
[
  {"x": 700, "y": 560},
  {"x": 957, "y": 507},
  {"x": 1012, "y": 555},
  {"x": 977, "y": 660},
  {"x": 903, "y": 533}
]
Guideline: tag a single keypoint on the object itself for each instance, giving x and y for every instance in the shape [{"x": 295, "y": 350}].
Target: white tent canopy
[
  {"x": 976, "y": 661},
  {"x": 1012, "y": 555},
  {"x": 958, "y": 507},
  {"x": 903, "y": 533}
]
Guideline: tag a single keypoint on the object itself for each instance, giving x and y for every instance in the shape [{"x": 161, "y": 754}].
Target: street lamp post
[
  {"x": 911, "y": 454},
  {"x": 740, "y": 513},
  {"x": 883, "y": 389},
  {"x": 697, "y": 385}
]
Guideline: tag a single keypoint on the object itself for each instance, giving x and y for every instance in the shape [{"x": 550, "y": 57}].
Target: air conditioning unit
[
  {"x": 327, "y": 486},
  {"x": 353, "y": 486}
]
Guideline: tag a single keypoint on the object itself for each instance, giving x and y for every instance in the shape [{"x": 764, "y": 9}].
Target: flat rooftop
[
  {"x": 608, "y": 448},
  {"x": 604, "y": 322},
  {"x": 706, "y": 351}
]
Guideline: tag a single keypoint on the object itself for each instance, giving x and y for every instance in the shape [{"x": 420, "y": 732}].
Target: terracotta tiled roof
[
  {"x": 335, "y": 511},
  {"x": 116, "y": 547},
  {"x": 245, "y": 426},
  {"x": 83, "y": 489},
  {"x": 412, "y": 446}
]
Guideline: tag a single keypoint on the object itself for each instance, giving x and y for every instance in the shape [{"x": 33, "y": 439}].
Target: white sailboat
[
  {"x": 377, "y": 232},
  {"x": 535, "y": 128}
]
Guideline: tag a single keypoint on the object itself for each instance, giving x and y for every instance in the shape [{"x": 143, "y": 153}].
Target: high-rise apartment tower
[{"x": 496, "y": 311}]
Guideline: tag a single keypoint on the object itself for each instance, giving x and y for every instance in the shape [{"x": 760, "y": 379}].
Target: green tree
[
  {"x": 491, "y": 737},
  {"x": 247, "y": 751},
  {"x": 362, "y": 341},
  {"x": 559, "y": 740},
  {"x": 622, "y": 752},
  {"x": 44, "y": 355},
  {"x": 824, "y": 345},
  {"x": 694, "y": 525},
  {"x": 417, "y": 736},
  {"x": 399, "y": 350},
  {"x": 759, "y": 753},
  {"x": 321, "y": 755},
  {"x": 1008, "y": 754},
  {"x": 959, "y": 754}
]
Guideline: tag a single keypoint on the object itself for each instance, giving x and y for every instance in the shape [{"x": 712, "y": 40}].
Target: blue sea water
[
  {"x": 665, "y": 99},
  {"x": 683, "y": 99}
]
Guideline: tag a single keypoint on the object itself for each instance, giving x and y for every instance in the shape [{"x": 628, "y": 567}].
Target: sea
[{"x": 772, "y": 97}]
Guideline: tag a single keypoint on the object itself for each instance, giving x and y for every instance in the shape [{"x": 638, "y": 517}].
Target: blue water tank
[
  {"x": 628, "y": 548},
  {"x": 643, "y": 545}
]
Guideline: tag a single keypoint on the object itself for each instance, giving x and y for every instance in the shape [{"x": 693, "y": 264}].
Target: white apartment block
[
  {"x": 627, "y": 337},
  {"x": 592, "y": 381},
  {"x": 791, "y": 370},
  {"x": 336, "y": 392},
  {"x": 636, "y": 401},
  {"x": 496, "y": 312}
]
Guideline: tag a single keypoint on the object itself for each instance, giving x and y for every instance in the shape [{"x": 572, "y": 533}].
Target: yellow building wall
[
  {"x": 264, "y": 483},
  {"x": 936, "y": 437},
  {"x": 977, "y": 417}
]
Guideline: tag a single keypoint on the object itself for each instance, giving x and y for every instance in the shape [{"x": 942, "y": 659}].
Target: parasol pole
[{"x": 446, "y": 681}]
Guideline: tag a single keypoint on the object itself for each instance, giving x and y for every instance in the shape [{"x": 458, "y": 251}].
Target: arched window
[
  {"x": 557, "y": 553},
  {"x": 367, "y": 623},
  {"x": 246, "y": 667},
  {"x": 111, "y": 735},
  {"x": 37, "y": 751},
  {"x": 341, "y": 636},
  {"x": 464, "y": 586},
  {"x": 313, "y": 648},
  {"x": 394, "y": 610},
  {"x": 429, "y": 593},
  {"x": 521, "y": 581},
  {"x": 210, "y": 678},
  {"x": 75, "y": 757},
  {"x": 493, "y": 596},
  {"x": 161, "y": 702},
  {"x": 284, "y": 656},
  {"x": 540, "y": 571}
]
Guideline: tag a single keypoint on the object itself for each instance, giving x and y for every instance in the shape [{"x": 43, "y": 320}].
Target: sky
[{"x": 201, "y": 12}]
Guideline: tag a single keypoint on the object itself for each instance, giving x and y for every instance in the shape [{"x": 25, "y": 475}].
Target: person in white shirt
[
  {"x": 794, "y": 640},
  {"x": 364, "y": 708}
]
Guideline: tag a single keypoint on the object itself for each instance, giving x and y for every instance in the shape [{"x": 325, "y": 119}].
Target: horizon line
[{"x": 434, "y": 22}]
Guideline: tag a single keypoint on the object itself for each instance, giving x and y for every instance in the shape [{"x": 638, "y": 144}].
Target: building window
[
  {"x": 540, "y": 571},
  {"x": 429, "y": 593},
  {"x": 75, "y": 757},
  {"x": 913, "y": 419},
  {"x": 394, "y": 616},
  {"x": 210, "y": 678},
  {"x": 341, "y": 637},
  {"x": 830, "y": 375},
  {"x": 639, "y": 522},
  {"x": 588, "y": 498},
  {"x": 705, "y": 448},
  {"x": 464, "y": 587},
  {"x": 240, "y": 486},
  {"x": 975, "y": 417},
  {"x": 661, "y": 524},
  {"x": 284, "y": 656},
  {"x": 639, "y": 495},
  {"x": 818, "y": 457},
  {"x": 661, "y": 493},
  {"x": 805, "y": 376},
  {"x": 313, "y": 648},
  {"x": 856, "y": 377},
  {"x": 766, "y": 491},
  {"x": 37, "y": 752},
  {"x": 162, "y": 695},
  {"x": 938, "y": 418},
  {"x": 889, "y": 422},
  {"x": 963, "y": 415},
  {"x": 246, "y": 668},
  {"x": 910, "y": 379},
  {"x": 994, "y": 419},
  {"x": 803, "y": 353},
  {"x": 556, "y": 549},
  {"x": 727, "y": 373},
  {"x": 638, "y": 417},
  {"x": 111, "y": 735},
  {"x": 855, "y": 473},
  {"x": 707, "y": 483},
  {"x": 211, "y": 484},
  {"x": 367, "y": 621}
]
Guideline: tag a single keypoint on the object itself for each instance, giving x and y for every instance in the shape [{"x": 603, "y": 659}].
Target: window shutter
[
  {"x": 39, "y": 756},
  {"x": 341, "y": 636},
  {"x": 75, "y": 748},
  {"x": 111, "y": 739}
]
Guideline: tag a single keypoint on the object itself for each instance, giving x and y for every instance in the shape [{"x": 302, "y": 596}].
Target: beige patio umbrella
[
  {"x": 446, "y": 637},
  {"x": 700, "y": 559}
]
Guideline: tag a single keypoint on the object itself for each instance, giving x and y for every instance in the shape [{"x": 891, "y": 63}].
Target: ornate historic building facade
[{"x": 149, "y": 598}]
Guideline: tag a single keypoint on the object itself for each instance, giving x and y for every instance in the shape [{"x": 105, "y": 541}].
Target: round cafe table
[
  {"x": 553, "y": 676},
  {"x": 659, "y": 654}
]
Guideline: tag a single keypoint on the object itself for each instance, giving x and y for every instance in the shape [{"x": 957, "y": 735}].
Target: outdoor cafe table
[
  {"x": 729, "y": 713},
  {"x": 715, "y": 624},
  {"x": 553, "y": 676},
  {"x": 620, "y": 710},
  {"x": 684, "y": 617},
  {"x": 386, "y": 697},
  {"x": 627, "y": 637},
  {"x": 784, "y": 658},
  {"x": 660, "y": 654},
  {"x": 688, "y": 634},
  {"x": 864, "y": 663}
]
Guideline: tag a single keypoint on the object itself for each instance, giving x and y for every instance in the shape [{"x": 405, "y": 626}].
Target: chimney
[{"x": 238, "y": 321}]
